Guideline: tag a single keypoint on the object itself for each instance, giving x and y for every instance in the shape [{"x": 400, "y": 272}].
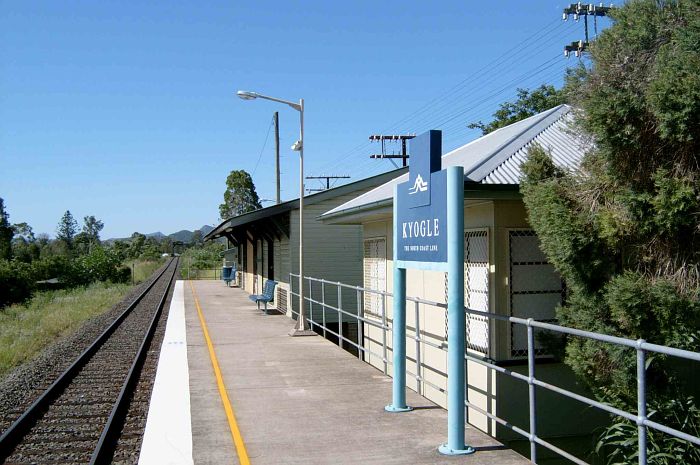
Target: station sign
[{"x": 421, "y": 204}]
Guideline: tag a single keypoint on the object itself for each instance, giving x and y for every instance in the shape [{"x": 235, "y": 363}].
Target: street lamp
[{"x": 301, "y": 328}]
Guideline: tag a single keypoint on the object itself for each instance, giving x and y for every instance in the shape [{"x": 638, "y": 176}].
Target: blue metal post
[
  {"x": 398, "y": 403},
  {"x": 456, "y": 317}
]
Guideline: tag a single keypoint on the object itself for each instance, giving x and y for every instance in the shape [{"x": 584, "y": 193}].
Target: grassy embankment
[
  {"x": 143, "y": 269},
  {"x": 201, "y": 263},
  {"x": 26, "y": 329}
]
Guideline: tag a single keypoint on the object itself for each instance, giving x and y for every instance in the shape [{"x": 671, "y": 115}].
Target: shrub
[{"x": 16, "y": 282}]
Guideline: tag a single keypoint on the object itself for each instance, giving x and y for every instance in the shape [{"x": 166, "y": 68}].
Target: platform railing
[{"x": 414, "y": 333}]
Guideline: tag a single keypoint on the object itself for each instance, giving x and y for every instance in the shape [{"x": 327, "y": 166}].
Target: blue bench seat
[
  {"x": 228, "y": 274},
  {"x": 268, "y": 294}
]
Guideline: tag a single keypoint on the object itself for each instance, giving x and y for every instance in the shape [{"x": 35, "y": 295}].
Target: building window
[
  {"x": 374, "y": 265},
  {"x": 476, "y": 288},
  {"x": 536, "y": 288}
]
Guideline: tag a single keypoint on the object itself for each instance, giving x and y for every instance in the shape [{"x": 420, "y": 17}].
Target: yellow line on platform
[{"x": 233, "y": 425}]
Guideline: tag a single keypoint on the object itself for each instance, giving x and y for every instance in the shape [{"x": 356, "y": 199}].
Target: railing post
[
  {"x": 384, "y": 330},
  {"x": 359, "y": 323},
  {"x": 641, "y": 403},
  {"x": 323, "y": 313},
  {"x": 338, "y": 306},
  {"x": 398, "y": 346},
  {"x": 531, "y": 389},
  {"x": 419, "y": 377},
  {"x": 311, "y": 306}
]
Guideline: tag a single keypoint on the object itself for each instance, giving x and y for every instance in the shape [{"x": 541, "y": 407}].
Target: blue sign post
[{"x": 428, "y": 235}]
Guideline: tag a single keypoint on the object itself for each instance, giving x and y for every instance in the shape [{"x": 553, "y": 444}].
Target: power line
[
  {"x": 440, "y": 113},
  {"x": 272, "y": 121},
  {"x": 533, "y": 39}
]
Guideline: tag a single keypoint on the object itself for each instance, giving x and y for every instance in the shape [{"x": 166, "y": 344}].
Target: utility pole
[
  {"x": 328, "y": 181},
  {"x": 578, "y": 10},
  {"x": 392, "y": 138},
  {"x": 277, "y": 153}
]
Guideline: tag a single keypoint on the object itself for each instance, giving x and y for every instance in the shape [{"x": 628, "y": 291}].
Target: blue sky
[{"x": 127, "y": 110}]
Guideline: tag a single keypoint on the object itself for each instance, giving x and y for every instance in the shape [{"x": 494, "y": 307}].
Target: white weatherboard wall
[
  {"x": 331, "y": 252},
  {"x": 167, "y": 439}
]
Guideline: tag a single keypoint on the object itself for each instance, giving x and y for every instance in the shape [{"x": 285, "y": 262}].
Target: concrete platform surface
[{"x": 303, "y": 400}]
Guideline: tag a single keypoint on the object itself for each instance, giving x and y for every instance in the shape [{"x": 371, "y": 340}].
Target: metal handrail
[{"x": 640, "y": 345}]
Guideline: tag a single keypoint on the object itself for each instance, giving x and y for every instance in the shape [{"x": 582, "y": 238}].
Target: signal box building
[{"x": 505, "y": 273}]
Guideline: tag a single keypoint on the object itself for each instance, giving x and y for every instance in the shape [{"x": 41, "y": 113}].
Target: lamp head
[{"x": 245, "y": 95}]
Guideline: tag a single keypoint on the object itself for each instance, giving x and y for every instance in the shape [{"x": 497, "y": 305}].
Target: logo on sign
[{"x": 418, "y": 186}]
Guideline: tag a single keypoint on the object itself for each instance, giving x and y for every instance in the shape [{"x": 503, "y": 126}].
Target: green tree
[
  {"x": 6, "y": 233},
  {"x": 166, "y": 245},
  {"x": 67, "y": 229},
  {"x": 624, "y": 231},
  {"x": 92, "y": 228},
  {"x": 24, "y": 245},
  {"x": 527, "y": 103},
  {"x": 136, "y": 245},
  {"x": 196, "y": 237},
  {"x": 121, "y": 249},
  {"x": 240, "y": 196}
]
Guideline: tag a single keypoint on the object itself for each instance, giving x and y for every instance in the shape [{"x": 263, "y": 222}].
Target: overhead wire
[
  {"x": 494, "y": 65},
  {"x": 551, "y": 28},
  {"x": 496, "y": 95},
  {"x": 264, "y": 145},
  {"x": 462, "y": 114}
]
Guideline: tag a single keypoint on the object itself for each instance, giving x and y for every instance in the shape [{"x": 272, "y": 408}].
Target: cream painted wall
[
  {"x": 493, "y": 392},
  {"x": 430, "y": 285}
]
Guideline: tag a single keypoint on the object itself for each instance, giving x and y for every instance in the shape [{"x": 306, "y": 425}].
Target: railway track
[{"x": 79, "y": 418}]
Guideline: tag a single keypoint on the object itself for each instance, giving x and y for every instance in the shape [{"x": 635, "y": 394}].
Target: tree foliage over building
[
  {"x": 240, "y": 196},
  {"x": 527, "y": 103},
  {"x": 531, "y": 102},
  {"x": 624, "y": 232}
]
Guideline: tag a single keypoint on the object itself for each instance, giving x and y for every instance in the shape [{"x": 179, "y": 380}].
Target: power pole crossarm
[
  {"x": 392, "y": 138},
  {"x": 581, "y": 9},
  {"x": 328, "y": 181}
]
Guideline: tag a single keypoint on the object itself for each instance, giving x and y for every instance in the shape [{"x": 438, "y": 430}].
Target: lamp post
[{"x": 301, "y": 328}]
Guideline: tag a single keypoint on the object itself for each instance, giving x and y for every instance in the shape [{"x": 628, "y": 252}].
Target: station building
[
  {"x": 506, "y": 273},
  {"x": 265, "y": 245}
]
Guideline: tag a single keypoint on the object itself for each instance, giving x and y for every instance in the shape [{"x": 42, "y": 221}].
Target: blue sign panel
[{"x": 421, "y": 204}]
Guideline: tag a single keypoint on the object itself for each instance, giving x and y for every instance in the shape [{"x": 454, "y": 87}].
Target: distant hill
[
  {"x": 184, "y": 235},
  {"x": 158, "y": 235}
]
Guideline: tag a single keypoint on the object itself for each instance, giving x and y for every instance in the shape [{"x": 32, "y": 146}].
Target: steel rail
[
  {"x": 108, "y": 439},
  {"x": 14, "y": 434}
]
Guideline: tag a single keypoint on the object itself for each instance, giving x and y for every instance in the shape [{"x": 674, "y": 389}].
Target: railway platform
[{"x": 257, "y": 395}]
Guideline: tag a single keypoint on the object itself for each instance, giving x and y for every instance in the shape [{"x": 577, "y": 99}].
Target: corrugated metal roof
[{"x": 496, "y": 158}]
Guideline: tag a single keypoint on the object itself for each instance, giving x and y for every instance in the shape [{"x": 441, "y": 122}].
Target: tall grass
[
  {"x": 143, "y": 269},
  {"x": 27, "y": 328}
]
